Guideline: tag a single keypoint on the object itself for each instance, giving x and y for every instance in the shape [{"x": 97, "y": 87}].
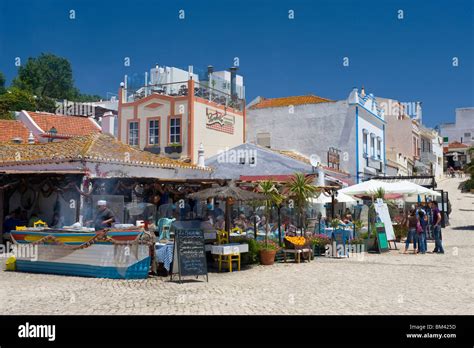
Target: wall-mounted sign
[
  {"x": 334, "y": 158},
  {"x": 220, "y": 121}
]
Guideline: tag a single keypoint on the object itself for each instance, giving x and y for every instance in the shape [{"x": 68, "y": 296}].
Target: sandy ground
[{"x": 390, "y": 283}]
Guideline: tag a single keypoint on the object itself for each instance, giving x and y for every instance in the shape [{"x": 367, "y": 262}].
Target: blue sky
[{"x": 409, "y": 59}]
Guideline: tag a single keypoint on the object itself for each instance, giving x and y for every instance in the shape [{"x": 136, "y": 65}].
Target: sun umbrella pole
[{"x": 227, "y": 215}]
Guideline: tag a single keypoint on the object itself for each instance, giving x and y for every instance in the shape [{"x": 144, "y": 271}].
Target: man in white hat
[{"x": 104, "y": 216}]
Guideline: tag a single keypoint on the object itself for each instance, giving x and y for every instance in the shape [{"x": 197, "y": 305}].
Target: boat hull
[{"x": 98, "y": 260}]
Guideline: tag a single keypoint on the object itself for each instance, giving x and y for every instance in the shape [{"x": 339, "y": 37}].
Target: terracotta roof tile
[
  {"x": 286, "y": 101},
  {"x": 93, "y": 147},
  {"x": 65, "y": 125},
  {"x": 457, "y": 145},
  {"x": 10, "y": 129}
]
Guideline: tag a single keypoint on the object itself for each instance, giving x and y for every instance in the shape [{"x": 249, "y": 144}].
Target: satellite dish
[{"x": 315, "y": 160}]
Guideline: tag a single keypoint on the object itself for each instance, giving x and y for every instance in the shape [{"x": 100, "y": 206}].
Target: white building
[
  {"x": 462, "y": 130},
  {"x": 347, "y": 134}
]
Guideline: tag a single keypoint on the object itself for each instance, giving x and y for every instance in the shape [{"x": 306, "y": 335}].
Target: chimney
[
  {"x": 321, "y": 179},
  {"x": 31, "y": 138},
  {"x": 108, "y": 123},
  {"x": 353, "y": 97},
  {"x": 233, "y": 82},
  {"x": 201, "y": 163},
  {"x": 210, "y": 70},
  {"x": 123, "y": 91},
  {"x": 362, "y": 92}
]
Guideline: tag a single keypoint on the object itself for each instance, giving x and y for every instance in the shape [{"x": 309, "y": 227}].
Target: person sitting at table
[
  {"x": 207, "y": 223},
  {"x": 348, "y": 216},
  {"x": 220, "y": 222},
  {"x": 241, "y": 222}
]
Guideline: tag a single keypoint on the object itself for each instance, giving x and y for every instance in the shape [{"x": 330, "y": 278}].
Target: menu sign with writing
[{"x": 189, "y": 255}]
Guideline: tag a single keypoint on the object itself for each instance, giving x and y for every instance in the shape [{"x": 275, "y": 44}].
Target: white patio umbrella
[
  {"x": 410, "y": 188},
  {"x": 340, "y": 197},
  {"x": 367, "y": 188},
  {"x": 400, "y": 187}
]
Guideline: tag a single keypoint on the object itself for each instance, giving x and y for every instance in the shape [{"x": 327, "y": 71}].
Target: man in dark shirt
[
  {"x": 436, "y": 222},
  {"x": 104, "y": 217}
]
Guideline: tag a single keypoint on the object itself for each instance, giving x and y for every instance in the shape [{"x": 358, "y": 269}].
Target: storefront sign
[
  {"x": 383, "y": 214},
  {"x": 382, "y": 241},
  {"x": 334, "y": 158},
  {"x": 220, "y": 121}
]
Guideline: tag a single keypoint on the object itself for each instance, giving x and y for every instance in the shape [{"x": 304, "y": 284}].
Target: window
[
  {"x": 365, "y": 141},
  {"x": 379, "y": 149},
  {"x": 175, "y": 130},
  {"x": 372, "y": 145},
  {"x": 154, "y": 132},
  {"x": 467, "y": 135},
  {"x": 264, "y": 139},
  {"x": 133, "y": 133}
]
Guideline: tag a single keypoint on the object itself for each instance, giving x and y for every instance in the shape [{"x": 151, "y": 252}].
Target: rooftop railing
[{"x": 178, "y": 89}]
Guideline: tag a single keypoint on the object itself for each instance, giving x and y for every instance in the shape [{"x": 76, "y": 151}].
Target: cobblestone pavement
[{"x": 391, "y": 283}]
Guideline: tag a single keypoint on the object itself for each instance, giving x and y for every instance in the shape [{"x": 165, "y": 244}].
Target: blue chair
[{"x": 164, "y": 227}]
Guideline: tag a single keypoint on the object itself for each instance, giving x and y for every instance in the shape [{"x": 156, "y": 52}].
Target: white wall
[{"x": 464, "y": 124}]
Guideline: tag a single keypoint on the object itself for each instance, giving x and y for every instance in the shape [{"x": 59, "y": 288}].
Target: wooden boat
[{"x": 119, "y": 254}]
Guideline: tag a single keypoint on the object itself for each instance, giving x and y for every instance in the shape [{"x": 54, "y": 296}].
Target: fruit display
[{"x": 298, "y": 241}]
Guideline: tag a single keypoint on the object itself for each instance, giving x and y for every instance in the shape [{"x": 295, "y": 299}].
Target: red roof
[
  {"x": 286, "y": 101},
  {"x": 65, "y": 125},
  {"x": 10, "y": 129},
  {"x": 457, "y": 145}
]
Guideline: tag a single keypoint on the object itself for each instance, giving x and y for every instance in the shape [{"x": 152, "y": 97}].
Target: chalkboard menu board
[
  {"x": 189, "y": 255},
  {"x": 382, "y": 242}
]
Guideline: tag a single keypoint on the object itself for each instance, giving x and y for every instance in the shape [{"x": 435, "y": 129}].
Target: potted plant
[
  {"x": 301, "y": 189},
  {"x": 319, "y": 242},
  {"x": 358, "y": 224},
  {"x": 335, "y": 223},
  {"x": 273, "y": 197},
  {"x": 174, "y": 148},
  {"x": 267, "y": 250}
]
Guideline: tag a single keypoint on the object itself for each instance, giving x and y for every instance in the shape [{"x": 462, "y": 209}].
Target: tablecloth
[{"x": 164, "y": 254}]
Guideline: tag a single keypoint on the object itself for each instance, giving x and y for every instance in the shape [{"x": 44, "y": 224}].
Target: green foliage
[
  {"x": 16, "y": 100},
  {"x": 273, "y": 198},
  {"x": 2, "y": 83},
  {"x": 301, "y": 189},
  {"x": 358, "y": 225},
  {"x": 84, "y": 98},
  {"x": 47, "y": 76},
  {"x": 268, "y": 245},
  {"x": 50, "y": 76},
  {"x": 364, "y": 235},
  {"x": 401, "y": 231},
  {"x": 335, "y": 223},
  {"x": 252, "y": 256}
]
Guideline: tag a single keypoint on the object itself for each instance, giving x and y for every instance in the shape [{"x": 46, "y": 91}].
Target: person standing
[
  {"x": 436, "y": 223},
  {"x": 104, "y": 216},
  {"x": 423, "y": 220},
  {"x": 412, "y": 223}
]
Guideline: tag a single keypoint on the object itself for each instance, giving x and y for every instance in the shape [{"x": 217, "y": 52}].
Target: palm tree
[
  {"x": 273, "y": 198},
  {"x": 301, "y": 189}
]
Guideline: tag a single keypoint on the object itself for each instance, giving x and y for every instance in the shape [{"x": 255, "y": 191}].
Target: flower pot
[
  {"x": 173, "y": 149},
  {"x": 319, "y": 250},
  {"x": 267, "y": 257}
]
